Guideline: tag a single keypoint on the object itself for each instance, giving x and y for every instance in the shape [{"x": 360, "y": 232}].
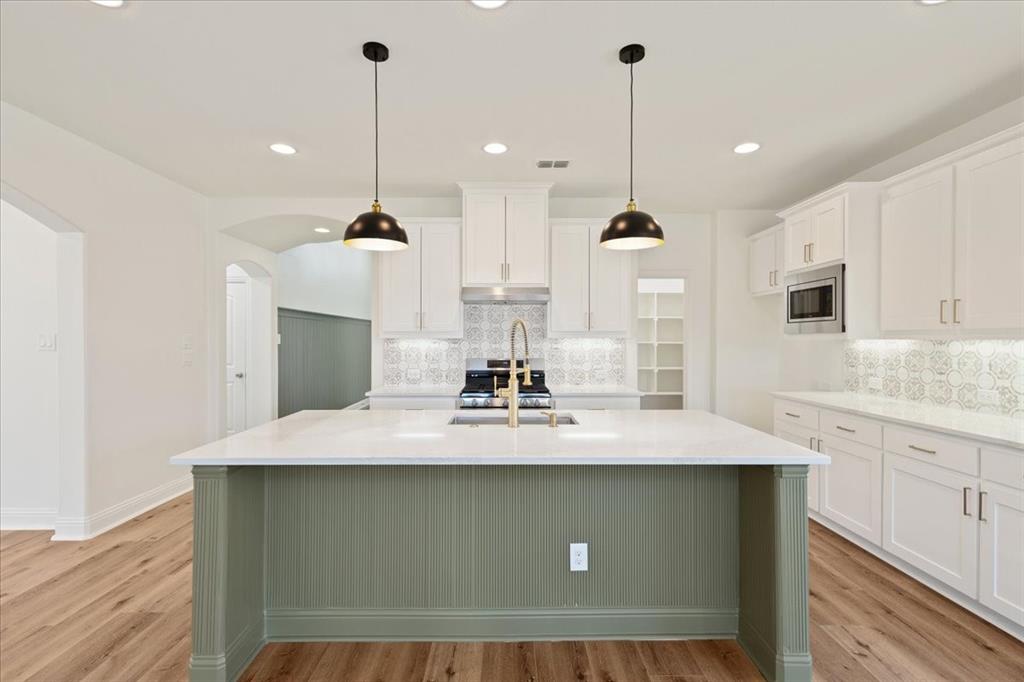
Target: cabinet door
[
  {"x": 798, "y": 236},
  {"x": 610, "y": 287},
  {"x": 851, "y": 487},
  {"x": 929, "y": 520},
  {"x": 441, "y": 295},
  {"x": 761, "y": 257},
  {"x": 1001, "y": 582},
  {"x": 990, "y": 239},
  {"x": 806, "y": 438},
  {"x": 483, "y": 226},
  {"x": 828, "y": 238},
  {"x": 526, "y": 239},
  {"x": 569, "y": 309},
  {"x": 780, "y": 260},
  {"x": 917, "y": 254},
  {"x": 400, "y": 286}
]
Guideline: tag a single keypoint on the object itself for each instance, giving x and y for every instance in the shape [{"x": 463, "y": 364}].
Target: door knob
[{"x": 239, "y": 375}]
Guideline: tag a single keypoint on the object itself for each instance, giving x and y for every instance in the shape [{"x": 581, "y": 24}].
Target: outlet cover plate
[{"x": 578, "y": 558}]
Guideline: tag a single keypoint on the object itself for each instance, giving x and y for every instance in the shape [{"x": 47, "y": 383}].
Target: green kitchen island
[{"x": 398, "y": 525}]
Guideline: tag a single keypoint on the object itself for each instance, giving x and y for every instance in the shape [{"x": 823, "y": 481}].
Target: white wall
[
  {"x": 29, "y": 421},
  {"x": 327, "y": 278},
  {"x": 144, "y": 302}
]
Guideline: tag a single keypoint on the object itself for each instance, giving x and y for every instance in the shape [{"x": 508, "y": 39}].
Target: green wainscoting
[
  {"x": 323, "y": 361},
  {"x": 304, "y": 553}
]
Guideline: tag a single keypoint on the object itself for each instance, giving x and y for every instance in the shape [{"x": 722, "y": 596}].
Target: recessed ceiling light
[
  {"x": 488, "y": 4},
  {"x": 282, "y": 148},
  {"x": 931, "y": 2},
  {"x": 495, "y": 148},
  {"x": 746, "y": 148},
  {"x": 112, "y": 4},
  {"x": 322, "y": 230}
]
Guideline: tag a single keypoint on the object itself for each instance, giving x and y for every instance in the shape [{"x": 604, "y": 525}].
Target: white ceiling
[{"x": 197, "y": 90}]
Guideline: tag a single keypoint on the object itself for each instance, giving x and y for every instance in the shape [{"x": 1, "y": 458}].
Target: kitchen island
[{"x": 397, "y": 525}]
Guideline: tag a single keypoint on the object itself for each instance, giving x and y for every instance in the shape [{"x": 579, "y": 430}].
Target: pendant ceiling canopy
[
  {"x": 376, "y": 230},
  {"x": 632, "y": 229}
]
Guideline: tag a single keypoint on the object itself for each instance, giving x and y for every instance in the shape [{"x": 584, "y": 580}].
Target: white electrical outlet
[
  {"x": 875, "y": 383},
  {"x": 988, "y": 396},
  {"x": 577, "y": 556}
]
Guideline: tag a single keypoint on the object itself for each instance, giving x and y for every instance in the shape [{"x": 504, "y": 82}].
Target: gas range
[{"x": 485, "y": 377}]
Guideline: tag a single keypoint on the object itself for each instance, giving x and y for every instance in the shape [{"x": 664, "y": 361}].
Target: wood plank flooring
[{"x": 119, "y": 608}]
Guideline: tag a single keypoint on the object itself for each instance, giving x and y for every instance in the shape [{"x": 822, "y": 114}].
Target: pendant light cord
[
  {"x": 376, "y": 140},
  {"x": 631, "y": 132}
]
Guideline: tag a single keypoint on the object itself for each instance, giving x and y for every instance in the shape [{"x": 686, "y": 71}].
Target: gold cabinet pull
[
  {"x": 967, "y": 491},
  {"x": 843, "y": 428},
  {"x": 956, "y": 311},
  {"x": 790, "y": 414},
  {"x": 981, "y": 506},
  {"x": 810, "y": 252},
  {"x": 942, "y": 311},
  {"x": 924, "y": 450},
  {"x": 805, "y": 253}
]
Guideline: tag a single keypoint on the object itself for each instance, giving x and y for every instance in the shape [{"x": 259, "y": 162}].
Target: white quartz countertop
[
  {"x": 995, "y": 429},
  {"x": 383, "y": 437}
]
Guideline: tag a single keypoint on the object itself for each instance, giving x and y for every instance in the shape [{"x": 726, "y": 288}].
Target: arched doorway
[{"x": 249, "y": 347}]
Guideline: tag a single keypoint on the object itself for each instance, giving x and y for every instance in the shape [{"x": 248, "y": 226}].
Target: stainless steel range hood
[{"x": 505, "y": 295}]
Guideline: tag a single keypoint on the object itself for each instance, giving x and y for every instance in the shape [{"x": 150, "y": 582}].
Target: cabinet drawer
[
  {"x": 851, "y": 428},
  {"x": 933, "y": 449},
  {"x": 796, "y": 413},
  {"x": 1003, "y": 466}
]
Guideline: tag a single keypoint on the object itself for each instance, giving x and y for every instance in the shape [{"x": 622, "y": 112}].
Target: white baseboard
[
  {"x": 27, "y": 518},
  {"x": 84, "y": 528},
  {"x": 955, "y": 596}
]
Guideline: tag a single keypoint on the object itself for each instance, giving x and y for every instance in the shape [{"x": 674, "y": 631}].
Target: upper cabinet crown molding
[
  {"x": 1011, "y": 133},
  {"x": 505, "y": 234},
  {"x": 830, "y": 193}
]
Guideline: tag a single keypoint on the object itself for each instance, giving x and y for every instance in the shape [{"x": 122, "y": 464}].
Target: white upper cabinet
[
  {"x": 419, "y": 287},
  {"x": 483, "y": 218},
  {"x": 591, "y": 287},
  {"x": 917, "y": 253},
  {"x": 816, "y": 236},
  {"x": 989, "y": 275},
  {"x": 569, "y": 308},
  {"x": 505, "y": 235},
  {"x": 952, "y": 251},
  {"x": 440, "y": 290},
  {"x": 765, "y": 260}
]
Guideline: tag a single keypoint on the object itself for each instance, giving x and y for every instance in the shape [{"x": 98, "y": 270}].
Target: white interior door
[
  {"x": 917, "y": 254},
  {"x": 990, "y": 239},
  {"x": 1001, "y": 583},
  {"x": 569, "y": 309},
  {"x": 237, "y": 313},
  {"x": 610, "y": 286}
]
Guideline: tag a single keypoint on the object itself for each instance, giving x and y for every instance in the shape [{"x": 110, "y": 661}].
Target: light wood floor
[{"x": 118, "y": 608}]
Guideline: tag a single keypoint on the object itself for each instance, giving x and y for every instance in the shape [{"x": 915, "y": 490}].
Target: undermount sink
[{"x": 501, "y": 420}]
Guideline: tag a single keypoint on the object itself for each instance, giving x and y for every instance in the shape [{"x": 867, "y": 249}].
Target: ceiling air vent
[{"x": 548, "y": 163}]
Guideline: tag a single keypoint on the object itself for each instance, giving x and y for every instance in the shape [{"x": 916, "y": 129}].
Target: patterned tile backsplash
[
  {"x": 578, "y": 362},
  {"x": 978, "y": 376}
]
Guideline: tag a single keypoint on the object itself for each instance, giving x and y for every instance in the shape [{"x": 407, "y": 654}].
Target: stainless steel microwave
[{"x": 814, "y": 302}]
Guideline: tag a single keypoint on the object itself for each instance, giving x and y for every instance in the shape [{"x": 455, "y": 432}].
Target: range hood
[{"x": 505, "y": 295}]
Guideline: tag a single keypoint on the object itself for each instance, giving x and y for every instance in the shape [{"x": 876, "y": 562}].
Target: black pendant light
[
  {"x": 376, "y": 230},
  {"x": 632, "y": 229}
]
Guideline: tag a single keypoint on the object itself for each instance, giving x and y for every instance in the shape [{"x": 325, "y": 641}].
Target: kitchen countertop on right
[{"x": 997, "y": 429}]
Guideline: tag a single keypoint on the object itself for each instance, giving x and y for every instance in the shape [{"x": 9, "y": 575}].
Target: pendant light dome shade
[
  {"x": 632, "y": 229},
  {"x": 376, "y": 230}
]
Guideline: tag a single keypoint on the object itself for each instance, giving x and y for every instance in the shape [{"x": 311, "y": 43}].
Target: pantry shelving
[{"x": 660, "y": 343}]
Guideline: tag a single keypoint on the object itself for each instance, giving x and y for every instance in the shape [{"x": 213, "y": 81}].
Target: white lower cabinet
[
  {"x": 930, "y": 521},
  {"x": 950, "y": 507},
  {"x": 851, "y": 487},
  {"x": 1001, "y": 566}
]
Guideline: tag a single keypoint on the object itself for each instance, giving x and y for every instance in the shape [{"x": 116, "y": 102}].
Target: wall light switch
[{"x": 577, "y": 556}]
